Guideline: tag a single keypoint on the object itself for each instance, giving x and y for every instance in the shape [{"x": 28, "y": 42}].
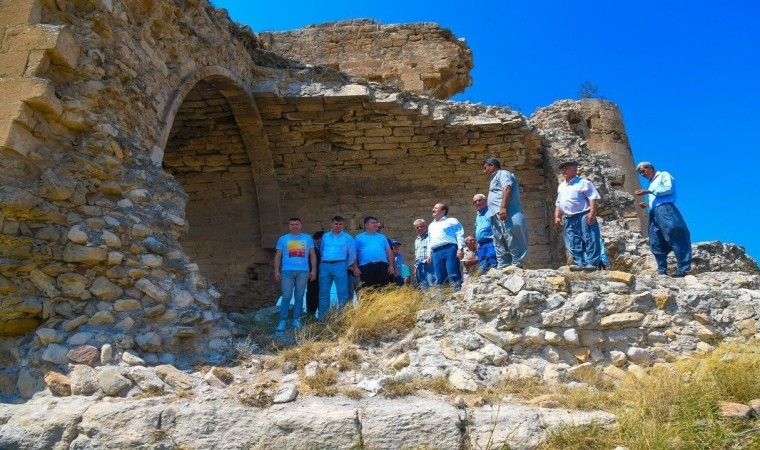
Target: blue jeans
[
  {"x": 446, "y": 266},
  {"x": 293, "y": 286},
  {"x": 582, "y": 240},
  {"x": 510, "y": 240},
  {"x": 330, "y": 273},
  {"x": 486, "y": 256},
  {"x": 425, "y": 275},
  {"x": 668, "y": 232}
]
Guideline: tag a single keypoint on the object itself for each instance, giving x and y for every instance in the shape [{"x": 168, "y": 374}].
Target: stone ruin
[{"x": 151, "y": 153}]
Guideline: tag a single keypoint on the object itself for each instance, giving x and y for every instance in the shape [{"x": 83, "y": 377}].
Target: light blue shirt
[
  {"x": 663, "y": 187},
  {"x": 371, "y": 248},
  {"x": 338, "y": 248},
  {"x": 483, "y": 226},
  {"x": 446, "y": 230}
]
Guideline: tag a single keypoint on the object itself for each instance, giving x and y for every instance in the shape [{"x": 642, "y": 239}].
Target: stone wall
[
  {"x": 421, "y": 57},
  {"x": 151, "y": 155}
]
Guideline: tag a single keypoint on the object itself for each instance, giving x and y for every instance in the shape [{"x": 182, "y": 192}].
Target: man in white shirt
[
  {"x": 446, "y": 247},
  {"x": 576, "y": 210}
]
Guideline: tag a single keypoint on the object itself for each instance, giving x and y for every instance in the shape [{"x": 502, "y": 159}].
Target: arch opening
[{"x": 208, "y": 153}]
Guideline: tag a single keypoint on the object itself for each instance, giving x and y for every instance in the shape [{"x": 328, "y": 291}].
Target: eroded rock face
[{"x": 422, "y": 58}]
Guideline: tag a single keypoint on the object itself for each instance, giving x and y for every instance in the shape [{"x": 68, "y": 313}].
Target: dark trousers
[
  {"x": 668, "y": 232},
  {"x": 312, "y": 296},
  {"x": 375, "y": 274}
]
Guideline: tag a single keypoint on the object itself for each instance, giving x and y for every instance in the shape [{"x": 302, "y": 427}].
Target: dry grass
[
  {"x": 678, "y": 408},
  {"x": 381, "y": 314},
  {"x": 257, "y": 398},
  {"x": 353, "y": 392},
  {"x": 323, "y": 383},
  {"x": 349, "y": 359}
]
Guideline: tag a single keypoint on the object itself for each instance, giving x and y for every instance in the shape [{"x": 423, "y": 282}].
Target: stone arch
[{"x": 215, "y": 146}]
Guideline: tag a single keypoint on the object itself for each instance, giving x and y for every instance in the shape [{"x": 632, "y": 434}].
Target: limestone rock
[
  {"x": 112, "y": 382},
  {"x": 132, "y": 359},
  {"x": 58, "y": 383},
  {"x": 174, "y": 378},
  {"x": 728, "y": 410},
  {"x": 103, "y": 289},
  {"x": 286, "y": 393},
  {"x": 462, "y": 380},
  {"x": 84, "y": 380}
]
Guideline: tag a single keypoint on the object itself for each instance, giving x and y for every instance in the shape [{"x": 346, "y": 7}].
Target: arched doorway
[{"x": 211, "y": 150}]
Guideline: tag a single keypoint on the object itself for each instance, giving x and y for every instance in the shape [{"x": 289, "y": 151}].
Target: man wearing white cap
[{"x": 575, "y": 212}]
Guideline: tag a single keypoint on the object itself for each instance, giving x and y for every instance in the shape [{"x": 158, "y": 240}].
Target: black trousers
[{"x": 375, "y": 274}]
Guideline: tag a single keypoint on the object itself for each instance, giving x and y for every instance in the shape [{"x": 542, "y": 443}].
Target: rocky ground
[{"x": 508, "y": 326}]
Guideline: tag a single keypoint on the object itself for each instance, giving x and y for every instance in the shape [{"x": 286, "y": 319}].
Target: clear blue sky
[{"x": 685, "y": 74}]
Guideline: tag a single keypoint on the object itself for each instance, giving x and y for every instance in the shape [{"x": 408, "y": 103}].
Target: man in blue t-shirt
[
  {"x": 374, "y": 258},
  {"x": 293, "y": 257}
]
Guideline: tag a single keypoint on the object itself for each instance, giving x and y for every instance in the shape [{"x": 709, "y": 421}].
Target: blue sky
[{"x": 685, "y": 74}]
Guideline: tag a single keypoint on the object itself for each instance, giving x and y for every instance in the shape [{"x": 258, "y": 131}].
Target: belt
[
  {"x": 485, "y": 241},
  {"x": 441, "y": 247},
  {"x": 333, "y": 261}
]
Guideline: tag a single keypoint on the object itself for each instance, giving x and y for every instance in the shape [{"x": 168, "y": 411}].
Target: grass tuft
[{"x": 323, "y": 383}]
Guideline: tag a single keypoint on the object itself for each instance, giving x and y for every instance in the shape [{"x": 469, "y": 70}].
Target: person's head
[
  {"x": 420, "y": 226},
  {"x": 440, "y": 210},
  {"x": 337, "y": 224},
  {"x": 380, "y": 226},
  {"x": 469, "y": 241},
  {"x": 395, "y": 246},
  {"x": 370, "y": 224},
  {"x": 479, "y": 200},
  {"x": 491, "y": 165},
  {"x": 317, "y": 237},
  {"x": 569, "y": 169},
  {"x": 645, "y": 169},
  {"x": 295, "y": 225}
]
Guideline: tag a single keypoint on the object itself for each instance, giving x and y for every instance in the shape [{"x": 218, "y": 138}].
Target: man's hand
[
  {"x": 460, "y": 254},
  {"x": 558, "y": 222},
  {"x": 277, "y": 275},
  {"x": 641, "y": 192},
  {"x": 503, "y": 214},
  {"x": 312, "y": 275},
  {"x": 392, "y": 270},
  {"x": 429, "y": 259},
  {"x": 642, "y": 205},
  {"x": 591, "y": 218}
]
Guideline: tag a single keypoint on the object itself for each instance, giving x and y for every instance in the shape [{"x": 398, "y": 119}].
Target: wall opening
[{"x": 207, "y": 153}]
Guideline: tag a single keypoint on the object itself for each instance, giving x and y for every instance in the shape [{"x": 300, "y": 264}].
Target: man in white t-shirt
[{"x": 575, "y": 210}]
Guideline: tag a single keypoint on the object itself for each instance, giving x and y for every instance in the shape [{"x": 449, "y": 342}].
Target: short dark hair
[
  {"x": 445, "y": 208},
  {"x": 368, "y": 218},
  {"x": 292, "y": 219},
  {"x": 493, "y": 161},
  {"x": 338, "y": 219},
  {"x": 318, "y": 235}
]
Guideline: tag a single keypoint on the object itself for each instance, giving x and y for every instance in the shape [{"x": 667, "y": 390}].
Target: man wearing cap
[
  {"x": 667, "y": 228},
  {"x": 576, "y": 210},
  {"x": 483, "y": 234},
  {"x": 508, "y": 224},
  {"x": 338, "y": 254},
  {"x": 423, "y": 268},
  {"x": 446, "y": 247},
  {"x": 374, "y": 258}
]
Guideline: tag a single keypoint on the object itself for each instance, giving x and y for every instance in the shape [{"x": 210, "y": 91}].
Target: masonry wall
[{"x": 421, "y": 57}]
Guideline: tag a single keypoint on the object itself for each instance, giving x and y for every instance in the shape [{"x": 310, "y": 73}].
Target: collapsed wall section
[{"x": 420, "y": 57}]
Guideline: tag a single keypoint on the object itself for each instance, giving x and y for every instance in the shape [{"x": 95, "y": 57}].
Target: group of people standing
[{"x": 441, "y": 248}]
